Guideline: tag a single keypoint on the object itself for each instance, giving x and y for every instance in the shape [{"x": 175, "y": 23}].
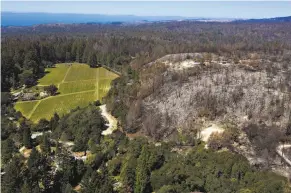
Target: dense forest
[
  {"x": 118, "y": 163},
  {"x": 26, "y": 53}
]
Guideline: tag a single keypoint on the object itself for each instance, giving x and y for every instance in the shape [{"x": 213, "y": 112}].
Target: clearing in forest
[{"x": 78, "y": 86}]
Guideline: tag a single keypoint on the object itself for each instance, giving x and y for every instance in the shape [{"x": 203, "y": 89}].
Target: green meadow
[
  {"x": 61, "y": 104},
  {"x": 54, "y": 75},
  {"x": 71, "y": 87},
  {"x": 81, "y": 72},
  {"x": 78, "y": 85},
  {"x": 25, "y": 107}
]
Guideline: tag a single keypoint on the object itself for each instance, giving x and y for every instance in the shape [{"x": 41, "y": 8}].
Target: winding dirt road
[{"x": 112, "y": 121}]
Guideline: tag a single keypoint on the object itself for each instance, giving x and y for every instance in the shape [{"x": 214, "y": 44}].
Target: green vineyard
[{"x": 78, "y": 85}]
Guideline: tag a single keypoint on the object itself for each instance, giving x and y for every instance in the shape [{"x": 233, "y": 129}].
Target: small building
[
  {"x": 17, "y": 94},
  {"x": 11, "y": 118},
  {"x": 43, "y": 94}
]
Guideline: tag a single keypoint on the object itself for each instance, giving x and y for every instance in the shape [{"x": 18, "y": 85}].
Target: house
[{"x": 16, "y": 96}]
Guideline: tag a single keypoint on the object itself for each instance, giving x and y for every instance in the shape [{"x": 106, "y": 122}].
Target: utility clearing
[{"x": 78, "y": 86}]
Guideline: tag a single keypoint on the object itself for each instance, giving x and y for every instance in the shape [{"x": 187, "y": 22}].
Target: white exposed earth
[
  {"x": 206, "y": 133},
  {"x": 112, "y": 122},
  {"x": 182, "y": 65}
]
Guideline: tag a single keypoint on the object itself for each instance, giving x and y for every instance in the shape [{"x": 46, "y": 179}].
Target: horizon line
[{"x": 186, "y": 17}]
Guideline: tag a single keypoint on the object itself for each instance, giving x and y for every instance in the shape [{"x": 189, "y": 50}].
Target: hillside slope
[
  {"x": 256, "y": 91},
  {"x": 180, "y": 95}
]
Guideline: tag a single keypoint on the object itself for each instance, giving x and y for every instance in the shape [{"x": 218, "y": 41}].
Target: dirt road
[{"x": 112, "y": 121}]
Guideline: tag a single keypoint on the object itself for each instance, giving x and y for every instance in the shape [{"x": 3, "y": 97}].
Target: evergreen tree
[
  {"x": 36, "y": 189},
  {"x": 127, "y": 173},
  {"x": 7, "y": 150},
  {"x": 78, "y": 56},
  {"x": 58, "y": 148},
  {"x": 92, "y": 60},
  {"x": 27, "y": 78},
  {"x": 86, "y": 177},
  {"x": 68, "y": 189},
  {"x": 68, "y": 56},
  {"x": 142, "y": 172},
  {"x": 25, "y": 188},
  {"x": 27, "y": 141},
  {"x": 87, "y": 185},
  {"x": 81, "y": 141},
  {"x": 34, "y": 159},
  {"x": 42, "y": 125},
  {"x": 12, "y": 178},
  {"x": 45, "y": 145},
  {"x": 54, "y": 121},
  {"x": 106, "y": 184},
  {"x": 37, "y": 167},
  {"x": 31, "y": 61}
]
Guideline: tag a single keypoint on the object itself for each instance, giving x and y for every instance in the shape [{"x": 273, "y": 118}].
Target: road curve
[{"x": 112, "y": 121}]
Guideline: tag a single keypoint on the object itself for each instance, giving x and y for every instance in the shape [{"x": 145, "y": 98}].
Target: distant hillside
[
  {"x": 267, "y": 20},
  {"x": 28, "y": 19}
]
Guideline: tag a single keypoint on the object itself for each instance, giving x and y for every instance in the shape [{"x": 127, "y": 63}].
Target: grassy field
[
  {"x": 101, "y": 93},
  {"x": 61, "y": 104},
  {"x": 84, "y": 72},
  {"x": 104, "y": 84},
  {"x": 106, "y": 74},
  {"x": 54, "y": 75},
  {"x": 71, "y": 87},
  {"x": 78, "y": 86},
  {"x": 25, "y": 107},
  {"x": 81, "y": 72}
]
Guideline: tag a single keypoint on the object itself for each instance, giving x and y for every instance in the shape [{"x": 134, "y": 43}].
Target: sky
[{"x": 216, "y": 9}]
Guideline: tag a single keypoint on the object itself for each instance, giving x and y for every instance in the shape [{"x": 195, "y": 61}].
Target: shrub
[
  {"x": 204, "y": 112},
  {"x": 51, "y": 89},
  {"x": 114, "y": 166},
  {"x": 97, "y": 103}
]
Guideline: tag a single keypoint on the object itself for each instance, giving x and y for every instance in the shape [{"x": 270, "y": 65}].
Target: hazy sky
[{"x": 234, "y": 9}]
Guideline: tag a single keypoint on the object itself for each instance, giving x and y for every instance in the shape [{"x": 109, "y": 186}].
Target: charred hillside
[
  {"x": 180, "y": 88},
  {"x": 178, "y": 96},
  {"x": 255, "y": 90}
]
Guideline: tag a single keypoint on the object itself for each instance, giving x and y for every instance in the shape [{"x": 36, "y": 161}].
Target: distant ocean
[{"x": 28, "y": 19}]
